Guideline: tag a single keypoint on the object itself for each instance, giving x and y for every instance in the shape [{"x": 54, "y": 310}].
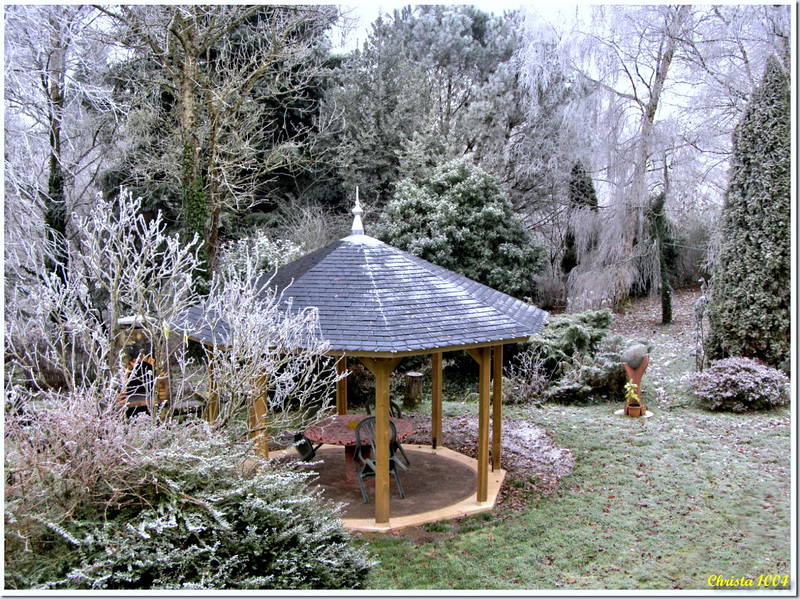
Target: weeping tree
[
  {"x": 750, "y": 311},
  {"x": 627, "y": 65}
]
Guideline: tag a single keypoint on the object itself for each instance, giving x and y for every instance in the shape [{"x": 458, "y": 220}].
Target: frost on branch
[
  {"x": 258, "y": 347},
  {"x": 63, "y": 333}
]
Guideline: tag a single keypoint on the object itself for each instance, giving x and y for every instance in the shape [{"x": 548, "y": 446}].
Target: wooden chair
[
  {"x": 365, "y": 453},
  {"x": 394, "y": 409}
]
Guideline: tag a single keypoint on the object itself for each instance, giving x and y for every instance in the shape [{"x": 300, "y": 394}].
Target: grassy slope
[{"x": 659, "y": 503}]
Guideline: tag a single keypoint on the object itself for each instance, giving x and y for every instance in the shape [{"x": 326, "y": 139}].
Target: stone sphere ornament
[{"x": 634, "y": 355}]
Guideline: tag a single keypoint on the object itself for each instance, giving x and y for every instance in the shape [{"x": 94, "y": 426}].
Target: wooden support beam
[
  {"x": 382, "y": 372},
  {"x": 484, "y": 385},
  {"x": 436, "y": 399},
  {"x": 258, "y": 420},
  {"x": 475, "y": 353},
  {"x": 497, "y": 407},
  {"x": 381, "y": 369},
  {"x": 212, "y": 408},
  {"x": 368, "y": 362},
  {"x": 341, "y": 386}
]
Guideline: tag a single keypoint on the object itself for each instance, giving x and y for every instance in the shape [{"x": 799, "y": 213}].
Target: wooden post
[
  {"x": 497, "y": 407},
  {"x": 483, "y": 356},
  {"x": 436, "y": 399},
  {"x": 258, "y": 420},
  {"x": 381, "y": 368},
  {"x": 212, "y": 410},
  {"x": 413, "y": 391},
  {"x": 341, "y": 386}
]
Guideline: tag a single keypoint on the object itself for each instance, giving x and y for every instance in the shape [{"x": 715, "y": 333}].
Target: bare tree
[
  {"x": 664, "y": 83},
  {"x": 63, "y": 332},
  {"x": 224, "y": 68},
  {"x": 65, "y": 337},
  {"x": 59, "y": 121},
  {"x": 261, "y": 354}
]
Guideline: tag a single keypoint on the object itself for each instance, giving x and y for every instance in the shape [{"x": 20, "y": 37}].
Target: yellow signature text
[{"x": 720, "y": 581}]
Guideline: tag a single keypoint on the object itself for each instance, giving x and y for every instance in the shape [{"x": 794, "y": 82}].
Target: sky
[{"x": 366, "y": 13}]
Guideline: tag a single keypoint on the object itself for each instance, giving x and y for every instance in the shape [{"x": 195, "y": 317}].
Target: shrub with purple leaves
[{"x": 739, "y": 384}]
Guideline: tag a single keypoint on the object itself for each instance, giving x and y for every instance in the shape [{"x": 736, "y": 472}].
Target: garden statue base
[{"x": 635, "y": 377}]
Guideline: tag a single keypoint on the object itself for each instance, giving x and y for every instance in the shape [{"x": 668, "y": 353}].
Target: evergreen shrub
[
  {"x": 739, "y": 384},
  {"x": 594, "y": 376},
  {"x": 564, "y": 335},
  {"x": 573, "y": 359},
  {"x": 459, "y": 218},
  {"x": 98, "y": 501}
]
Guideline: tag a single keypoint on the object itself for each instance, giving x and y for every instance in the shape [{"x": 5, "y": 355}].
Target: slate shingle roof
[{"x": 373, "y": 298}]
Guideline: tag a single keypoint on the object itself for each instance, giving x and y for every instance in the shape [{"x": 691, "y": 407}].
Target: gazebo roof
[{"x": 375, "y": 300}]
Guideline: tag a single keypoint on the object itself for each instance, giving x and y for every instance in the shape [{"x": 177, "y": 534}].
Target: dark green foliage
[
  {"x": 130, "y": 504},
  {"x": 563, "y": 335},
  {"x": 460, "y": 219},
  {"x": 590, "y": 377},
  {"x": 581, "y": 195},
  {"x": 195, "y": 207},
  {"x": 430, "y": 83},
  {"x": 660, "y": 231},
  {"x": 261, "y": 532},
  {"x": 55, "y": 218},
  {"x": 739, "y": 384},
  {"x": 750, "y": 310},
  {"x": 580, "y": 359}
]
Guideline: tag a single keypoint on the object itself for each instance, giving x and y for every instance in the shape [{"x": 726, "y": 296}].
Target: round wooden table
[{"x": 336, "y": 430}]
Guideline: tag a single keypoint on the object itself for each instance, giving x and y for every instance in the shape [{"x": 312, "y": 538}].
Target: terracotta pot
[{"x": 634, "y": 410}]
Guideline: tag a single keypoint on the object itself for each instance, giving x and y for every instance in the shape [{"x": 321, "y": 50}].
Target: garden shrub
[
  {"x": 591, "y": 376},
  {"x": 739, "y": 384},
  {"x": 564, "y": 335},
  {"x": 98, "y": 501},
  {"x": 575, "y": 360},
  {"x": 525, "y": 380}
]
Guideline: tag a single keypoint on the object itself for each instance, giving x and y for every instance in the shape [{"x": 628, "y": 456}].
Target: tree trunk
[
  {"x": 413, "y": 392},
  {"x": 195, "y": 205},
  {"x": 55, "y": 203},
  {"x": 638, "y": 199}
]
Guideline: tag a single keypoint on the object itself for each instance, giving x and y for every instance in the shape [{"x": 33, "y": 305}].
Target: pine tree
[{"x": 750, "y": 311}]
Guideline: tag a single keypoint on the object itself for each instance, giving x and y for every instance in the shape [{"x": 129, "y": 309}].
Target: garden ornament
[{"x": 635, "y": 360}]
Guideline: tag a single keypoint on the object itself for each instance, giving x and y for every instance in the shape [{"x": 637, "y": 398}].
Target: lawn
[{"x": 660, "y": 503}]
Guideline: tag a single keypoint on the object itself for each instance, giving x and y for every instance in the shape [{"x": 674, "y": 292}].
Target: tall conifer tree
[
  {"x": 581, "y": 195},
  {"x": 750, "y": 311}
]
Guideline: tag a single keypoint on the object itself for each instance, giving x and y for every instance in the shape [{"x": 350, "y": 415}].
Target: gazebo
[{"x": 379, "y": 304}]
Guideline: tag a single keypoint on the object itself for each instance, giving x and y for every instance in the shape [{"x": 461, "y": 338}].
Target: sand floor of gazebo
[{"x": 440, "y": 484}]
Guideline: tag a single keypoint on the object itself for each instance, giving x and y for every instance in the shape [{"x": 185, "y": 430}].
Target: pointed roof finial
[{"x": 358, "y": 226}]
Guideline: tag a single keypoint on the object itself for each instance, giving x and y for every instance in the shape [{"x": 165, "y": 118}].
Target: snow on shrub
[
  {"x": 98, "y": 501},
  {"x": 739, "y": 384}
]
